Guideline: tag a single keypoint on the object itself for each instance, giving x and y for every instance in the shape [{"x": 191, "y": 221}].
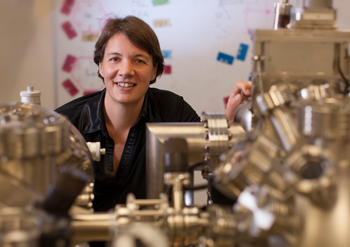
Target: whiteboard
[{"x": 206, "y": 44}]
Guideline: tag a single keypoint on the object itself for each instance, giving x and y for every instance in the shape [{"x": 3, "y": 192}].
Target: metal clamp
[{"x": 217, "y": 134}]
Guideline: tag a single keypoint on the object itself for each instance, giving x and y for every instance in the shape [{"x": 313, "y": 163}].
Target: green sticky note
[{"x": 159, "y": 2}]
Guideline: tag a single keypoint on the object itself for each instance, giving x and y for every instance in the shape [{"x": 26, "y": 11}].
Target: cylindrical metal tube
[
  {"x": 326, "y": 124},
  {"x": 285, "y": 128},
  {"x": 83, "y": 231},
  {"x": 327, "y": 227},
  {"x": 244, "y": 115},
  {"x": 273, "y": 105},
  {"x": 282, "y": 15},
  {"x": 197, "y": 138},
  {"x": 92, "y": 227},
  {"x": 255, "y": 160},
  {"x": 177, "y": 195},
  {"x": 316, "y": 174},
  {"x": 175, "y": 155},
  {"x": 318, "y": 4},
  {"x": 18, "y": 228}
]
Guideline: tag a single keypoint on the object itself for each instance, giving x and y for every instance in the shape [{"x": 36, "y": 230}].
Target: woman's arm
[{"x": 236, "y": 98}]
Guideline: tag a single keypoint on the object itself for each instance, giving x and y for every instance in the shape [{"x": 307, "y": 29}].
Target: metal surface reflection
[{"x": 287, "y": 166}]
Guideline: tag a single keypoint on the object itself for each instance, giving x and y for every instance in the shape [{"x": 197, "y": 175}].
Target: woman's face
[{"x": 127, "y": 70}]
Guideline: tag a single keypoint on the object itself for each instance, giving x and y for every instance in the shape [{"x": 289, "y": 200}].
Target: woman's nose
[{"x": 126, "y": 69}]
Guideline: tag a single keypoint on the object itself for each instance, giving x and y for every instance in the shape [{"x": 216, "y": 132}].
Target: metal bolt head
[{"x": 206, "y": 135}]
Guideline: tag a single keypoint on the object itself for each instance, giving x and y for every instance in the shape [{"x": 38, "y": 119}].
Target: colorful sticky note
[
  {"x": 159, "y": 2},
  {"x": 67, "y": 7},
  {"x": 167, "y": 69},
  {"x": 161, "y": 23},
  {"x": 90, "y": 37},
  {"x": 68, "y": 63},
  {"x": 242, "y": 52},
  {"x": 166, "y": 54},
  {"x": 69, "y": 86},
  {"x": 69, "y": 30},
  {"x": 225, "y": 58}
]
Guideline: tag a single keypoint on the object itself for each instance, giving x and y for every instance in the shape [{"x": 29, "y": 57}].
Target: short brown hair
[{"x": 140, "y": 35}]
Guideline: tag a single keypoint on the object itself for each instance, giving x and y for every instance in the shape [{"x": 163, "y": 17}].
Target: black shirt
[{"x": 86, "y": 114}]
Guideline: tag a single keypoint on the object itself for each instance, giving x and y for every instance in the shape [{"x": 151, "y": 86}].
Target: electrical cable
[
  {"x": 198, "y": 187},
  {"x": 344, "y": 78},
  {"x": 200, "y": 164}
]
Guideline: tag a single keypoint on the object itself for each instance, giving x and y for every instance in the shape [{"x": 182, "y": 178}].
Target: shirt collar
[{"x": 95, "y": 110}]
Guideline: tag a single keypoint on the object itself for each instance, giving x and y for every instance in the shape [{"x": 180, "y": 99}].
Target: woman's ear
[
  {"x": 154, "y": 72},
  {"x": 100, "y": 69}
]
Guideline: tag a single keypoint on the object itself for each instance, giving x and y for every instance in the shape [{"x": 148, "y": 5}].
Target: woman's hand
[{"x": 236, "y": 98}]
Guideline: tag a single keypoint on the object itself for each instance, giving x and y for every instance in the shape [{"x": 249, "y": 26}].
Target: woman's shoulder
[
  {"x": 162, "y": 96},
  {"x": 75, "y": 108},
  {"x": 162, "y": 93},
  {"x": 172, "y": 107},
  {"x": 79, "y": 103}
]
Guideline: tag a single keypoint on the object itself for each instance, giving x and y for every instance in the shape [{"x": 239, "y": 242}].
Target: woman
[{"x": 129, "y": 59}]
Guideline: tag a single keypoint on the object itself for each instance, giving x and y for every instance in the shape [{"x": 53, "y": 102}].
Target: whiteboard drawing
[
  {"x": 84, "y": 74},
  {"x": 192, "y": 34},
  {"x": 85, "y": 15}
]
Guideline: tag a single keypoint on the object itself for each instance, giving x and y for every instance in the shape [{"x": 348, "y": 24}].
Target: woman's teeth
[{"x": 125, "y": 84}]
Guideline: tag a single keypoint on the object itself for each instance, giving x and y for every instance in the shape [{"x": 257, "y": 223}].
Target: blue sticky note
[
  {"x": 225, "y": 58},
  {"x": 242, "y": 52},
  {"x": 166, "y": 54}
]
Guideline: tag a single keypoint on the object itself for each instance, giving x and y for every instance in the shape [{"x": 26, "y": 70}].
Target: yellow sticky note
[
  {"x": 90, "y": 37},
  {"x": 161, "y": 23}
]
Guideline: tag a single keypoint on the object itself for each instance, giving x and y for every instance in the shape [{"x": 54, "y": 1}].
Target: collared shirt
[{"x": 87, "y": 115}]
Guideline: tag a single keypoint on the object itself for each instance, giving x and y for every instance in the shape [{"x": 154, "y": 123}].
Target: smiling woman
[{"x": 129, "y": 59}]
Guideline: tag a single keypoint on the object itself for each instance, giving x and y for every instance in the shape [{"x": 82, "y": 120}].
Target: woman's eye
[
  {"x": 140, "y": 61},
  {"x": 114, "y": 59}
]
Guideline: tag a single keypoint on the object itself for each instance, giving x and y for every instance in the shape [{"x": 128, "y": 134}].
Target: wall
[
  {"x": 28, "y": 48},
  {"x": 196, "y": 32}
]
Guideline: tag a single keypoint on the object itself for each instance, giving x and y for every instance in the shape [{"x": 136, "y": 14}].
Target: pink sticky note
[
  {"x": 69, "y": 30},
  {"x": 167, "y": 69},
  {"x": 68, "y": 63},
  {"x": 69, "y": 86},
  {"x": 67, "y": 7}
]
